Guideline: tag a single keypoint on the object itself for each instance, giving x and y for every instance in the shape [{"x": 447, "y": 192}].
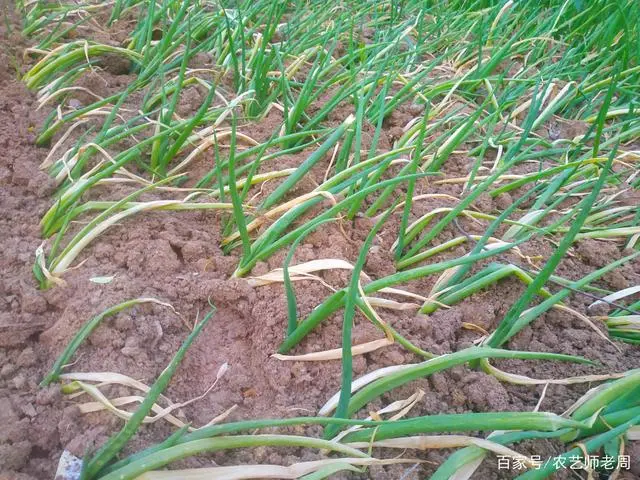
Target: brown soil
[{"x": 176, "y": 258}]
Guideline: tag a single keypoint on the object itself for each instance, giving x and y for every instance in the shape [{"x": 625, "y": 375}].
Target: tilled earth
[{"x": 175, "y": 257}]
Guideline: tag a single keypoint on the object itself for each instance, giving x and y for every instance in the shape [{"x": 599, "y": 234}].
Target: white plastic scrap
[{"x": 69, "y": 467}]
